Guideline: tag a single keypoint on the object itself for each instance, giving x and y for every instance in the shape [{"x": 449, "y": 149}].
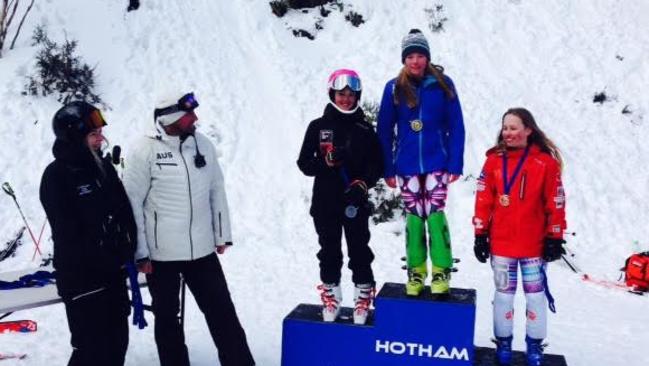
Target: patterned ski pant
[
  {"x": 424, "y": 194},
  {"x": 506, "y": 280}
]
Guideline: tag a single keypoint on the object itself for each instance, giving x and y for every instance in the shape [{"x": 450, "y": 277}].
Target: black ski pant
[
  {"x": 330, "y": 225},
  {"x": 98, "y": 325},
  {"x": 206, "y": 281}
]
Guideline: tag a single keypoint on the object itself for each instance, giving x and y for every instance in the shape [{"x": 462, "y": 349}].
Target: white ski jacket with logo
[{"x": 180, "y": 210}]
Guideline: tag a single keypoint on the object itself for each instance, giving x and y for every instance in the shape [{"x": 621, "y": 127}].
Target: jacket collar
[
  {"x": 428, "y": 81},
  {"x": 333, "y": 113},
  {"x": 513, "y": 153},
  {"x": 159, "y": 133},
  {"x": 75, "y": 154}
]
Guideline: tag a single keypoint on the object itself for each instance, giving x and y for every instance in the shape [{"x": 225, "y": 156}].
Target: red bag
[{"x": 636, "y": 271}]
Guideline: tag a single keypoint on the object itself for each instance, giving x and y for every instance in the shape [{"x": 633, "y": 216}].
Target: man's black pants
[{"x": 206, "y": 281}]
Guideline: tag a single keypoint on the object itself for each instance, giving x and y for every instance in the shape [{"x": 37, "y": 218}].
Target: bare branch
[
  {"x": 13, "y": 12},
  {"x": 3, "y": 28},
  {"x": 13, "y": 42}
]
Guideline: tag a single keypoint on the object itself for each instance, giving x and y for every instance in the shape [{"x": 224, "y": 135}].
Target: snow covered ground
[{"x": 259, "y": 87}]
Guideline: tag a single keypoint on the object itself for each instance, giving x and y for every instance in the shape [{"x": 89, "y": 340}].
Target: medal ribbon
[{"x": 508, "y": 185}]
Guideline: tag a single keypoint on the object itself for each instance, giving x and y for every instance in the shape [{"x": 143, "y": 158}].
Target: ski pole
[
  {"x": 182, "y": 302},
  {"x": 40, "y": 236},
  {"x": 8, "y": 190},
  {"x": 570, "y": 264}
]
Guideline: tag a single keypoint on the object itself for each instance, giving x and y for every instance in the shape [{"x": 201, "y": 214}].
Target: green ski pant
[{"x": 439, "y": 240}]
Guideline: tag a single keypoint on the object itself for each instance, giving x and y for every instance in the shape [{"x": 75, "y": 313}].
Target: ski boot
[
  {"x": 415, "y": 254},
  {"x": 440, "y": 252},
  {"x": 504, "y": 350},
  {"x": 439, "y": 284},
  {"x": 363, "y": 297},
  {"x": 331, "y": 297},
  {"x": 416, "y": 278},
  {"x": 534, "y": 351}
]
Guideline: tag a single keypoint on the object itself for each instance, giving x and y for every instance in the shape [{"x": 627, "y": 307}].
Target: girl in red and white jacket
[{"x": 519, "y": 220}]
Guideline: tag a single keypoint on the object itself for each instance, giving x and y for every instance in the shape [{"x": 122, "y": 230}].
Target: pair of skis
[
  {"x": 609, "y": 284},
  {"x": 613, "y": 285},
  {"x": 12, "y": 245},
  {"x": 6, "y": 187},
  {"x": 16, "y": 326},
  {"x": 14, "y": 356}
]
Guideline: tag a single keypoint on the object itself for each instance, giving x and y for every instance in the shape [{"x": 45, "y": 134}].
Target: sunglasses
[{"x": 186, "y": 103}]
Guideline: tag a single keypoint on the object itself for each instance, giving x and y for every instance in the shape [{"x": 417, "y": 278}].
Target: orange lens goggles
[{"x": 96, "y": 119}]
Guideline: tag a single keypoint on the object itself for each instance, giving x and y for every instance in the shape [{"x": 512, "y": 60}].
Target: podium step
[
  {"x": 456, "y": 295},
  {"x": 313, "y": 313},
  {"x": 424, "y": 330},
  {"x": 485, "y": 356}
]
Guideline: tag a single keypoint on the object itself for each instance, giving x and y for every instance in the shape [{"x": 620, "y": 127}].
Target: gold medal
[
  {"x": 504, "y": 200},
  {"x": 416, "y": 125}
]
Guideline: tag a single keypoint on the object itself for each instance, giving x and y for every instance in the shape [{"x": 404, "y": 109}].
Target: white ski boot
[
  {"x": 363, "y": 297},
  {"x": 331, "y": 298}
]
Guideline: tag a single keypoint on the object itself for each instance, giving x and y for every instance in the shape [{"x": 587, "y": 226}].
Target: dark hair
[
  {"x": 404, "y": 88},
  {"x": 537, "y": 136}
]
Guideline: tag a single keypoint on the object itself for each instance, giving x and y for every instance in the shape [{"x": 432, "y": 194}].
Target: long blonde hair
[
  {"x": 404, "y": 88},
  {"x": 537, "y": 136}
]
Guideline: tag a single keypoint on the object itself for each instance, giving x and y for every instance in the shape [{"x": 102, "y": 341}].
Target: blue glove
[{"x": 136, "y": 297}]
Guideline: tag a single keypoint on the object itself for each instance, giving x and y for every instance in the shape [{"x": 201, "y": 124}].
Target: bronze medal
[
  {"x": 416, "y": 125},
  {"x": 504, "y": 200}
]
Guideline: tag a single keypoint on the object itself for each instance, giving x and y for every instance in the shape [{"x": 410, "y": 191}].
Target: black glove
[
  {"x": 335, "y": 156},
  {"x": 481, "y": 248},
  {"x": 553, "y": 249},
  {"x": 356, "y": 194}
]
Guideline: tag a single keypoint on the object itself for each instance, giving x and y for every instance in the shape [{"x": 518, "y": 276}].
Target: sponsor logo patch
[{"x": 84, "y": 189}]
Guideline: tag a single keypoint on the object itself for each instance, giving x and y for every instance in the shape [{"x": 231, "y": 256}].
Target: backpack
[{"x": 636, "y": 271}]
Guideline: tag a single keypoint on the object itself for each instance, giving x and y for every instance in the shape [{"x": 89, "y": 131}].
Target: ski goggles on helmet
[
  {"x": 186, "y": 103},
  {"x": 342, "y": 81},
  {"x": 95, "y": 120}
]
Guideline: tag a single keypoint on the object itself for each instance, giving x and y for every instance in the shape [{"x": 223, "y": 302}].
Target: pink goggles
[{"x": 341, "y": 79}]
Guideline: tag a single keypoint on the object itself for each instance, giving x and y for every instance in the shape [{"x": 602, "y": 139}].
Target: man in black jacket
[
  {"x": 94, "y": 236},
  {"x": 342, "y": 152}
]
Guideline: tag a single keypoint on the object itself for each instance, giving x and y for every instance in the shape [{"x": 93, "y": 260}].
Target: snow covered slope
[{"x": 259, "y": 87}]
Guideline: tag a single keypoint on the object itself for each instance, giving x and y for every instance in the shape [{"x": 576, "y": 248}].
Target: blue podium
[{"x": 402, "y": 330}]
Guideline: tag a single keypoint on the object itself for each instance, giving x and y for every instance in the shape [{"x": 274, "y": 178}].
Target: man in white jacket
[{"x": 176, "y": 188}]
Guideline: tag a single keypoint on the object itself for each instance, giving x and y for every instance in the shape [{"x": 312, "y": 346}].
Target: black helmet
[{"x": 75, "y": 120}]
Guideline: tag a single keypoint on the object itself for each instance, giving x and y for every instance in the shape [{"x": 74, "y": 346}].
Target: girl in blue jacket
[{"x": 423, "y": 154}]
